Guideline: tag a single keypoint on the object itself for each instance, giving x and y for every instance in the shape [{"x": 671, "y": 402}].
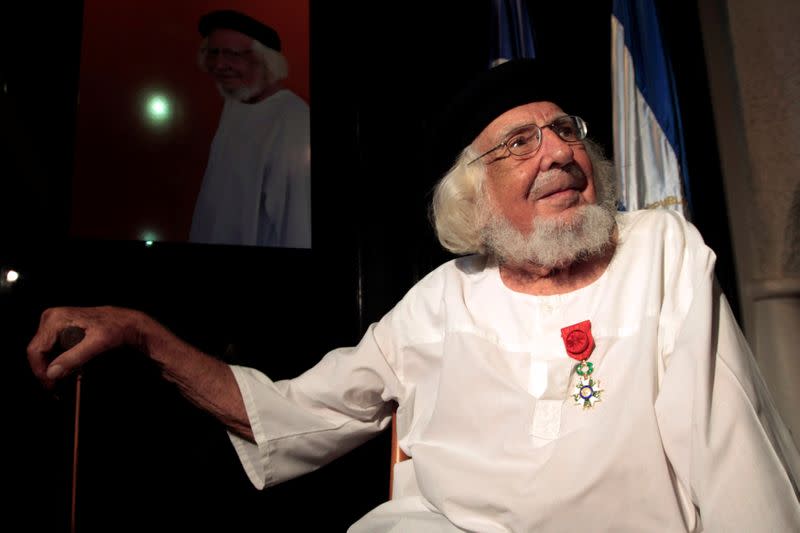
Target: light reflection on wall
[{"x": 158, "y": 109}]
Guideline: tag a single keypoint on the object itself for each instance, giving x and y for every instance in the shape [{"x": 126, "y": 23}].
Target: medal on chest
[{"x": 579, "y": 343}]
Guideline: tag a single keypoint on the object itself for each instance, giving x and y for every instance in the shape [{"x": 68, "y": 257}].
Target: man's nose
[
  {"x": 217, "y": 62},
  {"x": 556, "y": 152}
]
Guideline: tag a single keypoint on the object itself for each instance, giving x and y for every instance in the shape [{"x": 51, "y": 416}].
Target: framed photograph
[{"x": 185, "y": 132}]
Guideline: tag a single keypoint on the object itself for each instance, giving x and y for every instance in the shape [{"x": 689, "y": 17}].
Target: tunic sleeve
[
  {"x": 306, "y": 422},
  {"x": 734, "y": 461}
]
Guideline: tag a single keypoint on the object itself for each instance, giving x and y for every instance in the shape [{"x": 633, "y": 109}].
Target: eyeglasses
[
  {"x": 228, "y": 54},
  {"x": 527, "y": 139}
]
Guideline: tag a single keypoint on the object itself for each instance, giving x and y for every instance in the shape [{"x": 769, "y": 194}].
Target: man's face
[
  {"x": 552, "y": 183},
  {"x": 229, "y": 60}
]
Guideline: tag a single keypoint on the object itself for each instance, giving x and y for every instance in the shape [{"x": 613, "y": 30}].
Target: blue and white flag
[
  {"x": 648, "y": 138},
  {"x": 511, "y": 31}
]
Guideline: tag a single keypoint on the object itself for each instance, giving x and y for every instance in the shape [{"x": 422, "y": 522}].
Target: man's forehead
[
  {"x": 533, "y": 113},
  {"x": 229, "y": 37}
]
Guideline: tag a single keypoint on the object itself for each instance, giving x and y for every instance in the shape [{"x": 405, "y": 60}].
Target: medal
[
  {"x": 579, "y": 343},
  {"x": 587, "y": 389}
]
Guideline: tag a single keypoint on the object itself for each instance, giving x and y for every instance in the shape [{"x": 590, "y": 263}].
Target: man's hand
[
  {"x": 204, "y": 380},
  {"x": 104, "y": 328}
]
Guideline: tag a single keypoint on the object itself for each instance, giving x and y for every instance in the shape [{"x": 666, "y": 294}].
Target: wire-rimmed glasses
[{"x": 527, "y": 139}]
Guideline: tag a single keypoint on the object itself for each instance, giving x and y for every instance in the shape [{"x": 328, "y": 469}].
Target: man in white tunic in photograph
[
  {"x": 257, "y": 185},
  {"x": 575, "y": 369}
]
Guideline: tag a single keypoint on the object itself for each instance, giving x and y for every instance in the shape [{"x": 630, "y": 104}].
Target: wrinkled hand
[{"x": 105, "y": 328}]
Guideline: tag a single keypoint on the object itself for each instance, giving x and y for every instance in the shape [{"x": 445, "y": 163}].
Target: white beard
[
  {"x": 242, "y": 94},
  {"x": 553, "y": 243}
]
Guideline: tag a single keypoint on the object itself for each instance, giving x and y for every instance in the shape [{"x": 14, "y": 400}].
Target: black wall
[{"x": 380, "y": 70}]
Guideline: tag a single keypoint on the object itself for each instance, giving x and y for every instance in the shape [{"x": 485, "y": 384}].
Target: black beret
[
  {"x": 490, "y": 94},
  {"x": 233, "y": 20}
]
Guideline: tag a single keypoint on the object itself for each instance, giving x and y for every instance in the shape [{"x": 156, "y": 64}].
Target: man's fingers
[
  {"x": 39, "y": 350},
  {"x": 51, "y": 355},
  {"x": 74, "y": 358},
  {"x": 70, "y": 336}
]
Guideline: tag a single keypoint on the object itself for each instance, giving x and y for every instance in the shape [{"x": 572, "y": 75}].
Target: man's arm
[
  {"x": 721, "y": 432},
  {"x": 205, "y": 381}
]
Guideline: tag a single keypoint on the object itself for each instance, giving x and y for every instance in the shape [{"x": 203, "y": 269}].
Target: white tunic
[
  {"x": 685, "y": 437},
  {"x": 257, "y": 186}
]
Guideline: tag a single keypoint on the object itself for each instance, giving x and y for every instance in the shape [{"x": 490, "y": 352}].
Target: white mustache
[{"x": 545, "y": 182}]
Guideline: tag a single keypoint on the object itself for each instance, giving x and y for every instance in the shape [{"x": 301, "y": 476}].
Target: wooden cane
[{"x": 68, "y": 338}]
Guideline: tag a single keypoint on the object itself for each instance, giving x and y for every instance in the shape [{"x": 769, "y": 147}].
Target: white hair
[{"x": 275, "y": 65}]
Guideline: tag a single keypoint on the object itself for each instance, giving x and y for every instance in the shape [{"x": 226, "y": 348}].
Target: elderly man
[
  {"x": 256, "y": 188},
  {"x": 579, "y": 369}
]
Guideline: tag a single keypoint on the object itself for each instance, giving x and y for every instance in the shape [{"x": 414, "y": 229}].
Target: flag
[
  {"x": 648, "y": 139},
  {"x": 512, "y": 33}
]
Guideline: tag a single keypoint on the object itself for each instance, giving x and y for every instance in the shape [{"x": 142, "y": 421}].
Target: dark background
[{"x": 379, "y": 72}]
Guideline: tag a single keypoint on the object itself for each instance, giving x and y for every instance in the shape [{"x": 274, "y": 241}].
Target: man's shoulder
[
  {"x": 291, "y": 100},
  {"x": 459, "y": 267},
  {"x": 659, "y": 234},
  {"x": 419, "y": 314},
  {"x": 655, "y": 223},
  {"x": 450, "y": 275},
  {"x": 652, "y": 216}
]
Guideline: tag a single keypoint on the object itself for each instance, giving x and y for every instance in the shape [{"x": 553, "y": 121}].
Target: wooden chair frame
[{"x": 397, "y": 455}]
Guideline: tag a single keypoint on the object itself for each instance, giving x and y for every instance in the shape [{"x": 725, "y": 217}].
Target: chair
[{"x": 397, "y": 455}]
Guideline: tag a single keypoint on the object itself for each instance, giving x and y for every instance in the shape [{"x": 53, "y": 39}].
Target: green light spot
[{"x": 158, "y": 109}]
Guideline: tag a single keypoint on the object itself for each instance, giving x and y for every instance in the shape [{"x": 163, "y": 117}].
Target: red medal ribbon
[{"x": 578, "y": 340}]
